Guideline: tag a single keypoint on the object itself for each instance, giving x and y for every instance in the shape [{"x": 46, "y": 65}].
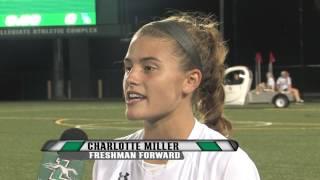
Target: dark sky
[{"x": 250, "y": 26}]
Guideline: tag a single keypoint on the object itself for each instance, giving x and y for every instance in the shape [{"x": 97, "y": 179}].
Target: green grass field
[{"x": 284, "y": 143}]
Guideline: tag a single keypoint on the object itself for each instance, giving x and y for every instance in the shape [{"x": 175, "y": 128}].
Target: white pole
[
  {"x": 69, "y": 90},
  {"x": 49, "y": 89},
  {"x": 256, "y": 73},
  {"x": 270, "y": 68},
  {"x": 100, "y": 89},
  {"x": 259, "y": 73}
]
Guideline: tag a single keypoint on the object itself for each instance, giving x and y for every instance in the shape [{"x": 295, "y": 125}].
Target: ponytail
[{"x": 211, "y": 100}]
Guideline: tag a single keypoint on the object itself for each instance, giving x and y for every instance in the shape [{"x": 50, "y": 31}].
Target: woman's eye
[
  {"x": 127, "y": 68},
  {"x": 149, "y": 68}
]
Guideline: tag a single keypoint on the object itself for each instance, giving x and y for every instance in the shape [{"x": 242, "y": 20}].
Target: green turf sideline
[{"x": 285, "y": 149}]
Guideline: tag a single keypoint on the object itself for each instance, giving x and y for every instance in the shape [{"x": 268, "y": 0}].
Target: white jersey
[
  {"x": 195, "y": 165},
  {"x": 283, "y": 83},
  {"x": 270, "y": 83}
]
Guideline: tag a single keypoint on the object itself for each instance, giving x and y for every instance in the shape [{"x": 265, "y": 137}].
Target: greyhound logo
[
  {"x": 123, "y": 177},
  {"x": 60, "y": 170}
]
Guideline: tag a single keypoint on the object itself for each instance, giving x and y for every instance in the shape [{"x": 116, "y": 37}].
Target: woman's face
[{"x": 152, "y": 83}]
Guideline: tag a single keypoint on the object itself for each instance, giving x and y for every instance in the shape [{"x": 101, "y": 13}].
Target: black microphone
[{"x": 57, "y": 165}]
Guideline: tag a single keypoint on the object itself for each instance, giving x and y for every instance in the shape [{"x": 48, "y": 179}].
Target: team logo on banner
[{"x": 60, "y": 170}]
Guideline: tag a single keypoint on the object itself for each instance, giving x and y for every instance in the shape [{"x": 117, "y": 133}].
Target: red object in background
[
  {"x": 271, "y": 57},
  {"x": 258, "y": 58}
]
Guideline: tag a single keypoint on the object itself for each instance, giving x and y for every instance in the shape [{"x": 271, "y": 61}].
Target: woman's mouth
[{"x": 134, "y": 97}]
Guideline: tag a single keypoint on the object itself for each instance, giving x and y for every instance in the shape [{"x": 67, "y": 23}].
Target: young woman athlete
[{"x": 174, "y": 69}]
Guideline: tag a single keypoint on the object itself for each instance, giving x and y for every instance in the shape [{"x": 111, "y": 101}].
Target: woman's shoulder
[
  {"x": 235, "y": 165},
  {"x": 202, "y": 131},
  {"x": 241, "y": 167}
]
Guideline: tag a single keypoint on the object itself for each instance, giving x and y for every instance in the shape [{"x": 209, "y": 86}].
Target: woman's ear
[{"x": 192, "y": 81}]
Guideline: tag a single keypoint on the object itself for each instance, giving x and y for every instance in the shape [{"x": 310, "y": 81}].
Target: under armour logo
[{"x": 123, "y": 177}]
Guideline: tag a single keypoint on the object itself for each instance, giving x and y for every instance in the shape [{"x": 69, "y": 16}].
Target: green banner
[{"x": 26, "y": 13}]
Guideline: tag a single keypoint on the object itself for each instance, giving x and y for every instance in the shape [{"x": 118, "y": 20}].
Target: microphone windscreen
[{"x": 74, "y": 134}]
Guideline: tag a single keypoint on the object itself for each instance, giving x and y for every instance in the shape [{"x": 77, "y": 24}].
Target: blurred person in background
[
  {"x": 267, "y": 86},
  {"x": 284, "y": 84}
]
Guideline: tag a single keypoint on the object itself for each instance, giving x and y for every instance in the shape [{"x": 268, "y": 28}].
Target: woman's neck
[{"x": 174, "y": 125}]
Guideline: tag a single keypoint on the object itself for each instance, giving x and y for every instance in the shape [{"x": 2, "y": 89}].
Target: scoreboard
[
  {"x": 24, "y": 13},
  {"x": 62, "y": 18}
]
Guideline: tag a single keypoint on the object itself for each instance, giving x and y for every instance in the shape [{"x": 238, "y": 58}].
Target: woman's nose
[{"x": 133, "y": 76}]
